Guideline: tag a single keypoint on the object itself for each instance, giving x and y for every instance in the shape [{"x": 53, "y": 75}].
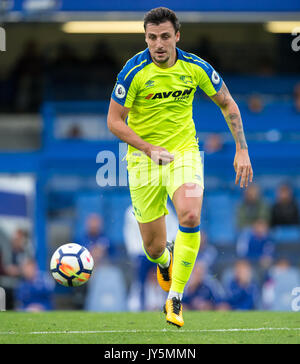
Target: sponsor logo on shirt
[
  {"x": 149, "y": 83},
  {"x": 177, "y": 94}
]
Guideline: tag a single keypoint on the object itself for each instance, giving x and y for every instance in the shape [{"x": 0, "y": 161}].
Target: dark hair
[{"x": 160, "y": 15}]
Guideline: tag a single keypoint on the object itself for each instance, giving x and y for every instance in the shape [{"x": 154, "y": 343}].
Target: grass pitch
[{"x": 75, "y": 327}]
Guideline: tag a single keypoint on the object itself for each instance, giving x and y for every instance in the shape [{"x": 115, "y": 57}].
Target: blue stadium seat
[
  {"x": 283, "y": 283},
  {"x": 286, "y": 234},
  {"x": 279, "y": 115},
  {"x": 106, "y": 290},
  {"x": 116, "y": 205},
  {"x": 276, "y": 115},
  {"x": 207, "y": 117},
  {"x": 270, "y": 85},
  {"x": 110, "y": 204},
  {"x": 221, "y": 218},
  {"x": 87, "y": 203}
]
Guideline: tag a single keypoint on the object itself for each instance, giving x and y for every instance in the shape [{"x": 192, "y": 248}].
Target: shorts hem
[
  {"x": 152, "y": 219},
  {"x": 184, "y": 183}
]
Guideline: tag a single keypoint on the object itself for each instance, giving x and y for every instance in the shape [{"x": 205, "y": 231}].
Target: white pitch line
[{"x": 151, "y": 331}]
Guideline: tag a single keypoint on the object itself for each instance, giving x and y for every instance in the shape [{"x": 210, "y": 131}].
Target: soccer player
[{"x": 154, "y": 92}]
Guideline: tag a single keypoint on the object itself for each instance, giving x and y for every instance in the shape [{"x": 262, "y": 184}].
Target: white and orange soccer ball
[{"x": 71, "y": 265}]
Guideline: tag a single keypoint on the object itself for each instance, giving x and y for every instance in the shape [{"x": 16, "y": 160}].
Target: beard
[{"x": 161, "y": 60}]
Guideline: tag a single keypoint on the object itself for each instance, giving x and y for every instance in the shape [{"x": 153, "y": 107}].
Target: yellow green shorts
[{"x": 150, "y": 184}]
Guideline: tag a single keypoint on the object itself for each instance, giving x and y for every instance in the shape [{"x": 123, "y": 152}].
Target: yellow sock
[
  {"x": 163, "y": 260},
  {"x": 186, "y": 249}
]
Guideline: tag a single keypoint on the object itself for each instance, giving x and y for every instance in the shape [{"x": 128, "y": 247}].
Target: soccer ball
[{"x": 71, "y": 265}]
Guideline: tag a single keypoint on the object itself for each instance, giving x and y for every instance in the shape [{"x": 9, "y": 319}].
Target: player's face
[{"x": 161, "y": 40}]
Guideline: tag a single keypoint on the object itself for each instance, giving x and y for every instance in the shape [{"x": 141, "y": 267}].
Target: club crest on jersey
[
  {"x": 177, "y": 94},
  {"x": 186, "y": 79},
  {"x": 120, "y": 91}
]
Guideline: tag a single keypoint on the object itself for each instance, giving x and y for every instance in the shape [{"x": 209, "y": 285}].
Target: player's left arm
[{"x": 232, "y": 115}]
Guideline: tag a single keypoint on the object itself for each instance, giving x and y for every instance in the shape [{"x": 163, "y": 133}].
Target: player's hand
[
  {"x": 243, "y": 168},
  {"x": 159, "y": 155}
]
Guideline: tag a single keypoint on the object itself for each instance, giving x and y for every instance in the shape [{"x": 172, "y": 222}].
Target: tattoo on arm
[
  {"x": 222, "y": 97},
  {"x": 231, "y": 114},
  {"x": 235, "y": 125}
]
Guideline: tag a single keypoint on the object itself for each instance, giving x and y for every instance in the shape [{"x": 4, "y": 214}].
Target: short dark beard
[{"x": 161, "y": 61}]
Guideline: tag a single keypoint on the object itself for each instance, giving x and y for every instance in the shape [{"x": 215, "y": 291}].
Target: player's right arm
[{"x": 116, "y": 122}]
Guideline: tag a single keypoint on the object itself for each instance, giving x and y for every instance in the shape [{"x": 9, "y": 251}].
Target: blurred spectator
[
  {"x": 102, "y": 67},
  {"x": 255, "y": 104},
  {"x": 285, "y": 210},
  {"x": 1, "y": 266},
  {"x": 213, "y": 143},
  {"x": 276, "y": 292},
  {"x": 207, "y": 252},
  {"x": 74, "y": 132},
  {"x": 4, "y": 242},
  {"x": 203, "y": 292},
  {"x": 27, "y": 76},
  {"x": 242, "y": 291},
  {"x": 65, "y": 74},
  {"x": 66, "y": 58},
  {"x": 103, "y": 57},
  {"x": 297, "y": 97},
  {"x": 34, "y": 292},
  {"x": 140, "y": 264},
  {"x": 256, "y": 244},
  {"x": 16, "y": 252},
  {"x": 252, "y": 208},
  {"x": 13, "y": 255},
  {"x": 97, "y": 242},
  {"x": 94, "y": 238}
]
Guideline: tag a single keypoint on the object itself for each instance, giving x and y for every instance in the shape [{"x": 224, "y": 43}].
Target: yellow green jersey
[{"x": 161, "y": 99}]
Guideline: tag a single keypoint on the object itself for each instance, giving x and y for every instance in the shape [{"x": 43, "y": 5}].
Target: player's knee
[
  {"x": 153, "y": 249},
  {"x": 190, "y": 218},
  {"x": 154, "y": 254}
]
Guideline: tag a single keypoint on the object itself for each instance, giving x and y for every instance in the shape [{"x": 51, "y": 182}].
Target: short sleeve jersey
[{"x": 161, "y": 99}]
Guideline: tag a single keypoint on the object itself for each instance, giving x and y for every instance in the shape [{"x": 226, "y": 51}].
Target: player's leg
[
  {"x": 154, "y": 237},
  {"x": 185, "y": 189},
  {"x": 157, "y": 250},
  {"x": 149, "y": 199},
  {"x": 187, "y": 201}
]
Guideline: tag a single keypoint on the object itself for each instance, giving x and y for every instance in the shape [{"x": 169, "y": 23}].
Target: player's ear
[{"x": 177, "y": 36}]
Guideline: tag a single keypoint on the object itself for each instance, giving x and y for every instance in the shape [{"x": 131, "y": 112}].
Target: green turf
[{"x": 148, "y": 327}]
